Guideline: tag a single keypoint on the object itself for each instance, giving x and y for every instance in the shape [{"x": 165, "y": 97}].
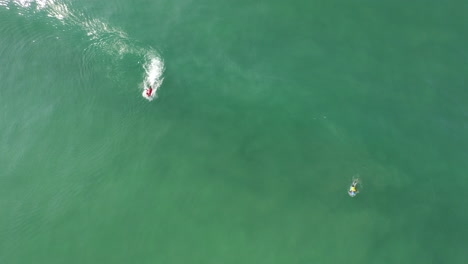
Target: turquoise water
[{"x": 266, "y": 110}]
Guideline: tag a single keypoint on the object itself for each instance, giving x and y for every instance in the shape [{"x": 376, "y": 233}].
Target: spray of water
[{"x": 101, "y": 35}]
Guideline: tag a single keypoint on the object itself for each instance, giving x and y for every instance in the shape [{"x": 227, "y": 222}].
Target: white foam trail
[
  {"x": 154, "y": 68},
  {"x": 102, "y": 36},
  {"x": 23, "y": 3}
]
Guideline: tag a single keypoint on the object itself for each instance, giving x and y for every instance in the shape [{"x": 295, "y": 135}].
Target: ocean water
[{"x": 266, "y": 111}]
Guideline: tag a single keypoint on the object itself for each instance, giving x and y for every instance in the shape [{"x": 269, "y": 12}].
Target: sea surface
[{"x": 265, "y": 112}]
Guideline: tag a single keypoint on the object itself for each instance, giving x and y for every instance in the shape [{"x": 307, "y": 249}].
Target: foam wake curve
[{"x": 101, "y": 36}]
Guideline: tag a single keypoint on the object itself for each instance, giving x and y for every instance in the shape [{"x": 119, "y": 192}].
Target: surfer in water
[
  {"x": 149, "y": 91},
  {"x": 352, "y": 189}
]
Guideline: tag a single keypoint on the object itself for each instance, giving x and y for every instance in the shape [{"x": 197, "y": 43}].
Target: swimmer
[
  {"x": 352, "y": 189},
  {"x": 149, "y": 91}
]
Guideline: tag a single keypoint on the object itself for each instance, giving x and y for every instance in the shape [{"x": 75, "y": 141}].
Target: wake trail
[{"x": 102, "y": 36}]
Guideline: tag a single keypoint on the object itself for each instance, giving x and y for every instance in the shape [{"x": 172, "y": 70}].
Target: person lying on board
[
  {"x": 149, "y": 91},
  {"x": 352, "y": 189}
]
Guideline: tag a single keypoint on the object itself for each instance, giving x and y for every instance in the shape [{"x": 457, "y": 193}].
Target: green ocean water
[{"x": 267, "y": 111}]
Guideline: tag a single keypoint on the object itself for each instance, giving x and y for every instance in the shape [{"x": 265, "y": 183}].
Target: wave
[{"x": 102, "y": 36}]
